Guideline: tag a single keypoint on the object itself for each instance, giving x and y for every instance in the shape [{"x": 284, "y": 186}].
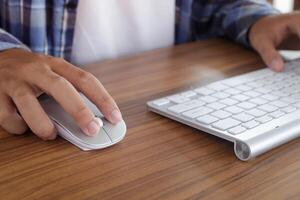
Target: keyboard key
[
  {"x": 243, "y": 117},
  {"x": 259, "y": 101},
  {"x": 297, "y": 105},
  {"x": 233, "y": 82},
  {"x": 161, "y": 102},
  {"x": 240, "y": 97},
  {"x": 229, "y": 102},
  {"x": 237, "y": 130},
  {"x": 188, "y": 94},
  {"x": 221, "y": 114},
  {"x": 267, "y": 108},
  {"x": 252, "y": 94},
  {"x": 186, "y": 106},
  {"x": 232, "y": 91},
  {"x": 270, "y": 97},
  {"x": 279, "y": 77},
  {"x": 208, "y": 99},
  {"x": 243, "y": 88},
  {"x": 296, "y": 96},
  {"x": 226, "y": 124},
  {"x": 234, "y": 109},
  {"x": 264, "y": 119},
  {"x": 216, "y": 105},
  {"x": 217, "y": 86},
  {"x": 221, "y": 95},
  {"x": 263, "y": 90},
  {"x": 289, "y": 109},
  {"x": 197, "y": 112},
  {"x": 267, "y": 81},
  {"x": 289, "y": 100},
  {"x": 275, "y": 86},
  {"x": 250, "y": 124},
  {"x": 207, "y": 119},
  {"x": 291, "y": 90},
  {"x": 256, "y": 112},
  {"x": 178, "y": 99},
  {"x": 255, "y": 84},
  {"x": 246, "y": 105},
  {"x": 280, "y": 93},
  {"x": 279, "y": 104},
  {"x": 204, "y": 91},
  {"x": 277, "y": 114}
]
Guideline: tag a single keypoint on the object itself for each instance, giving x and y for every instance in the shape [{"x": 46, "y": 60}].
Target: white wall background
[{"x": 284, "y": 5}]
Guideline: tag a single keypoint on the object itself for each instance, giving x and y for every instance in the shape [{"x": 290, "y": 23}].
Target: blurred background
[{"x": 286, "y": 5}]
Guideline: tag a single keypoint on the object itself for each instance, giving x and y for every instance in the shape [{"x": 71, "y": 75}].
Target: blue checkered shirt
[{"x": 48, "y": 26}]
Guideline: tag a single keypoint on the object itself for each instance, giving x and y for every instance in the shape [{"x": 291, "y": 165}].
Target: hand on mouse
[
  {"x": 275, "y": 32},
  {"x": 25, "y": 75}
]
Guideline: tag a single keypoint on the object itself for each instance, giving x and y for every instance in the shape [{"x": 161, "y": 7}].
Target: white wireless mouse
[{"x": 108, "y": 135}]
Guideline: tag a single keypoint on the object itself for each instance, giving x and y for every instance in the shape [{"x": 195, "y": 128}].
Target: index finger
[
  {"x": 67, "y": 96},
  {"x": 92, "y": 88}
]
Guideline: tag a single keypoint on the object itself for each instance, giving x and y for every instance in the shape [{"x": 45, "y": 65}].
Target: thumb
[{"x": 270, "y": 56}]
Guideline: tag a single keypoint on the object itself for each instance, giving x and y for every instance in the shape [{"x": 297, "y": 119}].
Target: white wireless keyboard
[{"x": 258, "y": 111}]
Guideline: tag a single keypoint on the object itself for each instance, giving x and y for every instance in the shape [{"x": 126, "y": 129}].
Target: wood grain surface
[{"x": 159, "y": 158}]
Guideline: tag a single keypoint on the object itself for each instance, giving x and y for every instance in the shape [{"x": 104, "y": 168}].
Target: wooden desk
[{"x": 159, "y": 158}]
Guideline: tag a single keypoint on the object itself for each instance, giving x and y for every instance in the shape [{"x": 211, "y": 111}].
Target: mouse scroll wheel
[{"x": 99, "y": 120}]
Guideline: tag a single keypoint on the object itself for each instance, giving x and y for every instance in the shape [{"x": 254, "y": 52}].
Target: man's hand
[
  {"x": 275, "y": 32},
  {"x": 25, "y": 75}
]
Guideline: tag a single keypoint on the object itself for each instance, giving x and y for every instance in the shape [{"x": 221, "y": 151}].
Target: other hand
[{"x": 275, "y": 32}]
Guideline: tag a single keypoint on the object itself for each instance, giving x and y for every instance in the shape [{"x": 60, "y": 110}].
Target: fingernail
[
  {"x": 276, "y": 65},
  {"x": 92, "y": 128},
  {"x": 116, "y": 116}
]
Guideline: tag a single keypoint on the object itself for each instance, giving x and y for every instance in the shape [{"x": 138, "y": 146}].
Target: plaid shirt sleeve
[
  {"x": 214, "y": 18},
  {"x": 8, "y": 41}
]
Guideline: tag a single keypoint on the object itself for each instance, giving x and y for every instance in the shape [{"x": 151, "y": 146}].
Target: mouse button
[
  {"x": 115, "y": 132},
  {"x": 100, "y": 139},
  {"x": 92, "y": 106},
  {"x": 53, "y": 109}
]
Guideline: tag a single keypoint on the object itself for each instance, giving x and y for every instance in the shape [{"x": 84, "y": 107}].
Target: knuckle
[
  {"x": 85, "y": 77},
  {"x": 43, "y": 68},
  {"x": 107, "y": 104},
  {"x": 81, "y": 113},
  {"x": 58, "y": 81},
  {"x": 30, "y": 65},
  {"x": 57, "y": 60},
  {"x": 20, "y": 92},
  {"x": 33, "y": 67}
]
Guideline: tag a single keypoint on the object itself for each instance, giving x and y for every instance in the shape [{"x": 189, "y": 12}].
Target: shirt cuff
[{"x": 8, "y": 41}]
